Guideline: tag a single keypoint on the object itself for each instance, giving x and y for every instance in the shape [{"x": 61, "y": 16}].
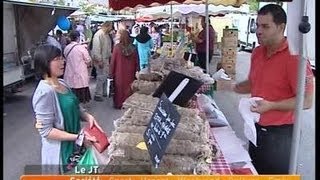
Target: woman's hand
[
  {"x": 92, "y": 121},
  {"x": 88, "y": 140}
]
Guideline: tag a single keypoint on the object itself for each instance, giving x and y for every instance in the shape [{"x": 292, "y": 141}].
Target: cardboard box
[
  {"x": 229, "y": 42},
  {"x": 218, "y": 45},
  {"x": 230, "y": 68},
  {"x": 230, "y": 33},
  {"x": 228, "y": 59},
  {"x": 229, "y": 52},
  {"x": 224, "y": 85}
]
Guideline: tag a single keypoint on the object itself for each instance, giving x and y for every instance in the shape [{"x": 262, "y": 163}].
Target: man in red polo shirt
[{"x": 273, "y": 76}]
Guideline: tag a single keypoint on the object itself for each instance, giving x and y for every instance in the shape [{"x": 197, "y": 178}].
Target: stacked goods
[
  {"x": 215, "y": 44},
  {"x": 189, "y": 151},
  {"x": 146, "y": 83},
  {"x": 145, "y": 87},
  {"x": 164, "y": 66},
  {"x": 229, "y": 51}
]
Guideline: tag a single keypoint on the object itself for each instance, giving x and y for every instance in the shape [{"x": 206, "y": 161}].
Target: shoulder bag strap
[{"x": 71, "y": 50}]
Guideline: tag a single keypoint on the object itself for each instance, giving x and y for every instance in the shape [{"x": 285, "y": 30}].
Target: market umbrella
[{"x": 123, "y": 4}]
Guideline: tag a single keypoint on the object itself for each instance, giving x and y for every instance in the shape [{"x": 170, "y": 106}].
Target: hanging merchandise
[{"x": 63, "y": 23}]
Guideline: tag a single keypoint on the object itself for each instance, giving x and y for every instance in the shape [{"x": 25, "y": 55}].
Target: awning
[
  {"x": 35, "y": 20},
  {"x": 41, "y": 5},
  {"x": 129, "y": 5}
]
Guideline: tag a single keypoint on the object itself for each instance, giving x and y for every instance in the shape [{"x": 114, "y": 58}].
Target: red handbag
[{"x": 102, "y": 139}]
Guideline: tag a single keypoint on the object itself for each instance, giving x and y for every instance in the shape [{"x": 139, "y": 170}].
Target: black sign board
[
  {"x": 160, "y": 129},
  {"x": 172, "y": 81}
]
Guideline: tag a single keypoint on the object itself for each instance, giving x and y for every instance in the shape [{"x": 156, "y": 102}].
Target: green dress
[{"x": 69, "y": 105}]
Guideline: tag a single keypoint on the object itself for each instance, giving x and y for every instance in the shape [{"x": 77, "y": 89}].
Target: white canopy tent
[{"x": 190, "y": 9}]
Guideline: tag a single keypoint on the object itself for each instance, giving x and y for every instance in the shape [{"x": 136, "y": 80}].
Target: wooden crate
[
  {"x": 229, "y": 59},
  {"x": 229, "y": 42},
  {"x": 230, "y": 68},
  {"x": 230, "y": 33}
]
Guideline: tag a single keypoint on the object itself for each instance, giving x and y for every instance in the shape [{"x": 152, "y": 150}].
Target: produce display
[
  {"x": 165, "y": 65},
  {"x": 189, "y": 152}
]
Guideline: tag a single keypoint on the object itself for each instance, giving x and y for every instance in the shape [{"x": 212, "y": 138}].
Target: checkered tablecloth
[{"x": 219, "y": 165}]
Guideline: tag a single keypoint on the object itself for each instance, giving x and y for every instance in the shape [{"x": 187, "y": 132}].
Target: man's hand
[{"x": 261, "y": 106}]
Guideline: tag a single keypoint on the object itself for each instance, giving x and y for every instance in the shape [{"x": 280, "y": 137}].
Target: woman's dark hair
[
  {"x": 278, "y": 14},
  {"x": 144, "y": 30},
  {"x": 43, "y": 55},
  {"x": 74, "y": 35}
]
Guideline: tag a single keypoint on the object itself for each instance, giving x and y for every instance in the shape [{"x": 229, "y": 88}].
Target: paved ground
[{"x": 22, "y": 143}]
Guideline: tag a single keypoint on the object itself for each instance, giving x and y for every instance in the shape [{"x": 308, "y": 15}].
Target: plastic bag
[
  {"x": 213, "y": 114},
  {"x": 221, "y": 75},
  {"x": 93, "y": 161},
  {"x": 110, "y": 87}
]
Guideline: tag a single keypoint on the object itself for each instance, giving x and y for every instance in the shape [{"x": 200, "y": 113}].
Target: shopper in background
[
  {"x": 124, "y": 65},
  {"x": 61, "y": 39},
  {"x": 101, "y": 54},
  {"x": 156, "y": 39},
  {"x": 78, "y": 62},
  {"x": 201, "y": 41},
  {"x": 144, "y": 44}
]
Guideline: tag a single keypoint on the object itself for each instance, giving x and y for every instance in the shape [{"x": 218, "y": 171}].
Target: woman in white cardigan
[{"x": 57, "y": 111}]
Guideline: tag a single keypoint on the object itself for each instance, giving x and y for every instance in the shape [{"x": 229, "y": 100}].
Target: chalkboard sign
[
  {"x": 160, "y": 129},
  {"x": 170, "y": 84}
]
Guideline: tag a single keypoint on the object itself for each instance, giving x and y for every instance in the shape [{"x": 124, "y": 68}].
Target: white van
[{"x": 246, "y": 25}]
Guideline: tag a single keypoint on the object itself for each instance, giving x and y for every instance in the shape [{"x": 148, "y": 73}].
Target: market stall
[
  {"x": 195, "y": 147},
  {"x": 192, "y": 147}
]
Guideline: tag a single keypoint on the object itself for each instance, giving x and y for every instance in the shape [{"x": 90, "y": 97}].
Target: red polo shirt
[{"x": 275, "y": 79}]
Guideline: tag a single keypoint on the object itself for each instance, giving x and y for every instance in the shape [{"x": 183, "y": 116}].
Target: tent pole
[
  {"x": 207, "y": 37},
  {"x": 296, "y": 136},
  {"x": 171, "y": 29}
]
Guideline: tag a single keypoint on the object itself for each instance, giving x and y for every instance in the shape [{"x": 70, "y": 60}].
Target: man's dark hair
[
  {"x": 278, "y": 14},
  {"x": 204, "y": 19},
  {"x": 58, "y": 32},
  {"x": 74, "y": 35},
  {"x": 43, "y": 55}
]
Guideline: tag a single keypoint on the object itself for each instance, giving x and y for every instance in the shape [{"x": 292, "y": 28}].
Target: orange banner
[{"x": 160, "y": 177}]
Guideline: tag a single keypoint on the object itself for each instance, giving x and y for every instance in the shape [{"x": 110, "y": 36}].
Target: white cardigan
[{"x": 47, "y": 109}]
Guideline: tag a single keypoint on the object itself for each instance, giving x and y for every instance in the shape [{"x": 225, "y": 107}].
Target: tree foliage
[
  {"x": 253, "y": 5},
  {"x": 87, "y": 7}
]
